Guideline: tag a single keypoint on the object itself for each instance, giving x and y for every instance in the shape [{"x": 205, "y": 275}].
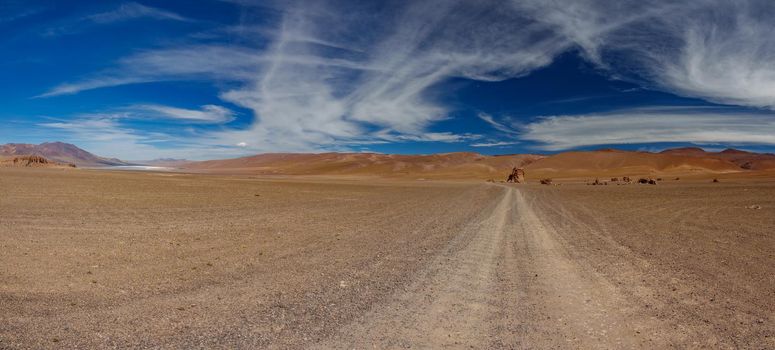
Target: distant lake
[{"x": 138, "y": 168}]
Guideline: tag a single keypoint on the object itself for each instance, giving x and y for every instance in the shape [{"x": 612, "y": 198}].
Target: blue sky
[{"x": 226, "y": 78}]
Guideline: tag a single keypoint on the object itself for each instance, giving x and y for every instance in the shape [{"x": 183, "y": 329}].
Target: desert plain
[{"x": 118, "y": 259}]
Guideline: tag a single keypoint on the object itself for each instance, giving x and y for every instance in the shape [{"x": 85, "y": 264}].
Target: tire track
[{"x": 450, "y": 303}]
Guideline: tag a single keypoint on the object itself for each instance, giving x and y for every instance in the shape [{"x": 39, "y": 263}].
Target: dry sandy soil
[{"x": 94, "y": 259}]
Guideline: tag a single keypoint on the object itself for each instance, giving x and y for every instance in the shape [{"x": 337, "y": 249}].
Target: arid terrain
[{"x": 98, "y": 259}]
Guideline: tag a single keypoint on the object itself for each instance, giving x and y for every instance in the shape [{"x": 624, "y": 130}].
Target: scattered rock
[
  {"x": 546, "y": 181},
  {"x": 754, "y": 206}
]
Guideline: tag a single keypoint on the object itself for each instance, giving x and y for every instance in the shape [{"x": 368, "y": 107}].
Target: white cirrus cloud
[
  {"x": 494, "y": 144},
  {"x": 651, "y": 125},
  {"x": 133, "y": 10},
  {"x": 207, "y": 114},
  {"x": 324, "y": 77},
  {"x": 497, "y": 125},
  {"x": 717, "y": 50},
  {"x": 124, "y": 12}
]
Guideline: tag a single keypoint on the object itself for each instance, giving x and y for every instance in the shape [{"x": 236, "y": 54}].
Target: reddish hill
[
  {"x": 438, "y": 166},
  {"x": 685, "y": 151},
  {"x": 627, "y": 163},
  {"x": 58, "y": 152},
  {"x": 743, "y": 159},
  {"x": 603, "y": 163}
]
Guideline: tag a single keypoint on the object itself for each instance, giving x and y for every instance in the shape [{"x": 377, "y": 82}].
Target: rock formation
[
  {"x": 32, "y": 161},
  {"x": 517, "y": 175}
]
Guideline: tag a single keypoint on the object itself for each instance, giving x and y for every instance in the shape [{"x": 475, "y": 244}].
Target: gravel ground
[{"x": 93, "y": 259}]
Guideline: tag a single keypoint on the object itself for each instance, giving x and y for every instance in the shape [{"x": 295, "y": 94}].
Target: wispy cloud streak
[
  {"x": 133, "y": 10},
  {"x": 124, "y": 12},
  {"x": 210, "y": 114},
  {"x": 650, "y": 126}
]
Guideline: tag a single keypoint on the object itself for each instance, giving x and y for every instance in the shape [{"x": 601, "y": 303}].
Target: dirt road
[
  {"x": 178, "y": 261},
  {"x": 506, "y": 282}
]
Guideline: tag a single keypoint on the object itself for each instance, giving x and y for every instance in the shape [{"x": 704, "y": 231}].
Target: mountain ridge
[
  {"x": 454, "y": 165},
  {"x": 59, "y": 152}
]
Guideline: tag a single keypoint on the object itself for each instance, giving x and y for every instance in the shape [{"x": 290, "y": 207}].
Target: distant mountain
[
  {"x": 687, "y": 161},
  {"x": 743, "y": 159},
  {"x": 463, "y": 165},
  {"x": 626, "y": 163},
  {"x": 59, "y": 152},
  {"x": 677, "y": 161},
  {"x": 685, "y": 151}
]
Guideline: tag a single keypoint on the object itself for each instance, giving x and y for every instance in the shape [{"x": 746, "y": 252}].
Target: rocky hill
[{"x": 59, "y": 152}]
